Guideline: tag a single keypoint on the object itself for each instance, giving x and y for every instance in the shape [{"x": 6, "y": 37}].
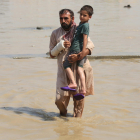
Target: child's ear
[{"x": 90, "y": 17}]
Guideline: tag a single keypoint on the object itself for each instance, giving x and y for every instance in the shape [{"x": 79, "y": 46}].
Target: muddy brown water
[{"x": 27, "y": 86}]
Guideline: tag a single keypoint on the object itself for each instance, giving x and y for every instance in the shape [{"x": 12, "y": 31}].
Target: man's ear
[{"x": 72, "y": 19}]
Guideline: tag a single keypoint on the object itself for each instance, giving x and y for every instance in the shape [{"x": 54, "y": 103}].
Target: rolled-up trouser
[
  {"x": 80, "y": 63},
  {"x": 63, "y": 101}
]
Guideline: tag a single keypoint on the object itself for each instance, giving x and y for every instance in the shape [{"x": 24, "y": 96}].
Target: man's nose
[{"x": 63, "y": 20}]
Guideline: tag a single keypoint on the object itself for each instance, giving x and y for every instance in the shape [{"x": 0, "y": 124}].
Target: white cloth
[{"x": 58, "y": 48}]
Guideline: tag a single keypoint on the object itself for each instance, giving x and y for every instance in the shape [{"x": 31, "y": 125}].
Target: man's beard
[{"x": 66, "y": 26}]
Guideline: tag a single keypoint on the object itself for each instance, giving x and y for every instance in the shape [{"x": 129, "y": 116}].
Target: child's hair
[{"x": 87, "y": 8}]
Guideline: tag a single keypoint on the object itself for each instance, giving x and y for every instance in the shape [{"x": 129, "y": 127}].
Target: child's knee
[{"x": 66, "y": 64}]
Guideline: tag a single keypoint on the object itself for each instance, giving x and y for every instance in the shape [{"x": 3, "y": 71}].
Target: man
[{"x": 59, "y": 47}]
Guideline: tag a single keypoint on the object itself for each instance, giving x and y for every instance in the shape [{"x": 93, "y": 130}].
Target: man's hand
[
  {"x": 72, "y": 58},
  {"x": 81, "y": 55},
  {"x": 67, "y": 44},
  {"x": 75, "y": 57}
]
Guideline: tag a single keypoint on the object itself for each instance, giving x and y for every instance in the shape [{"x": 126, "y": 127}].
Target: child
[{"x": 79, "y": 45}]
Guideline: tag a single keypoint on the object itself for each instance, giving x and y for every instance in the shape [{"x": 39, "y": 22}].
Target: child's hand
[{"x": 66, "y": 44}]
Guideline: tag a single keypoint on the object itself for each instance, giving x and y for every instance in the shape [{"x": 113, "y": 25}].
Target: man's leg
[
  {"x": 62, "y": 103},
  {"x": 78, "y": 107}
]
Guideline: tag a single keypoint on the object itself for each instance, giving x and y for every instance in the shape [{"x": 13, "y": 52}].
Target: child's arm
[
  {"x": 84, "y": 42},
  {"x": 81, "y": 55}
]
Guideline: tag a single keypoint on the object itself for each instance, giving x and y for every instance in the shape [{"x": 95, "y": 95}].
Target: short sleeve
[{"x": 85, "y": 29}]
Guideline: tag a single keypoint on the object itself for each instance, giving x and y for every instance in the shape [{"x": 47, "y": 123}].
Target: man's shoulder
[{"x": 57, "y": 30}]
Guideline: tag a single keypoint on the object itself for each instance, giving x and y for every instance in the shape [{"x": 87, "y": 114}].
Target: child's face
[{"x": 84, "y": 16}]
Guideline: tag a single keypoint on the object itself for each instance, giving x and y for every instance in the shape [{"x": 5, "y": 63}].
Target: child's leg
[
  {"x": 71, "y": 78},
  {"x": 82, "y": 80},
  {"x": 67, "y": 67}
]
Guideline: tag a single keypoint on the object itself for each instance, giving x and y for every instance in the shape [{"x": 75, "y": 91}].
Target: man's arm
[
  {"x": 56, "y": 48},
  {"x": 52, "y": 55},
  {"x": 89, "y": 48},
  {"x": 52, "y": 43},
  {"x": 74, "y": 57}
]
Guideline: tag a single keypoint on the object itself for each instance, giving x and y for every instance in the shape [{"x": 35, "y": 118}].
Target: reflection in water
[
  {"x": 74, "y": 129},
  {"x": 45, "y": 116}
]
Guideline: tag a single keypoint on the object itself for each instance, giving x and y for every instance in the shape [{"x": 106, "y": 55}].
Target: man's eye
[{"x": 64, "y": 18}]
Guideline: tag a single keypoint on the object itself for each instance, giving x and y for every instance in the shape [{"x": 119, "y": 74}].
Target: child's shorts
[{"x": 80, "y": 63}]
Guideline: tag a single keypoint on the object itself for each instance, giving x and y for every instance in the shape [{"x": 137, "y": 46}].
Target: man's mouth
[{"x": 64, "y": 24}]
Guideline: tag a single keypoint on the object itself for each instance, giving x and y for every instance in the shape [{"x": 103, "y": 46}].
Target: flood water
[{"x": 27, "y": 86}]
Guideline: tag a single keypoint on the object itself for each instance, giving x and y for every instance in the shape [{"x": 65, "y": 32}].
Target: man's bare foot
[{"x": 72, "y": 85}]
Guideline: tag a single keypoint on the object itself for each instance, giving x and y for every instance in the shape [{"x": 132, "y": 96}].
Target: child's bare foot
[
  {"x": 82, "y": 92},
  {"x": 72, "y": 85}
]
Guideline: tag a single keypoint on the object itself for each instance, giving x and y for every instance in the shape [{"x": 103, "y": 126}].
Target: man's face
[{"x": 66, "y": 21}]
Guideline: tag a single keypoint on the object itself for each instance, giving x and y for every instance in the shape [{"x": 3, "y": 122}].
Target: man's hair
[
  {"x": 87, "y": 8},
  {"x": 64, "y": 11}
]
